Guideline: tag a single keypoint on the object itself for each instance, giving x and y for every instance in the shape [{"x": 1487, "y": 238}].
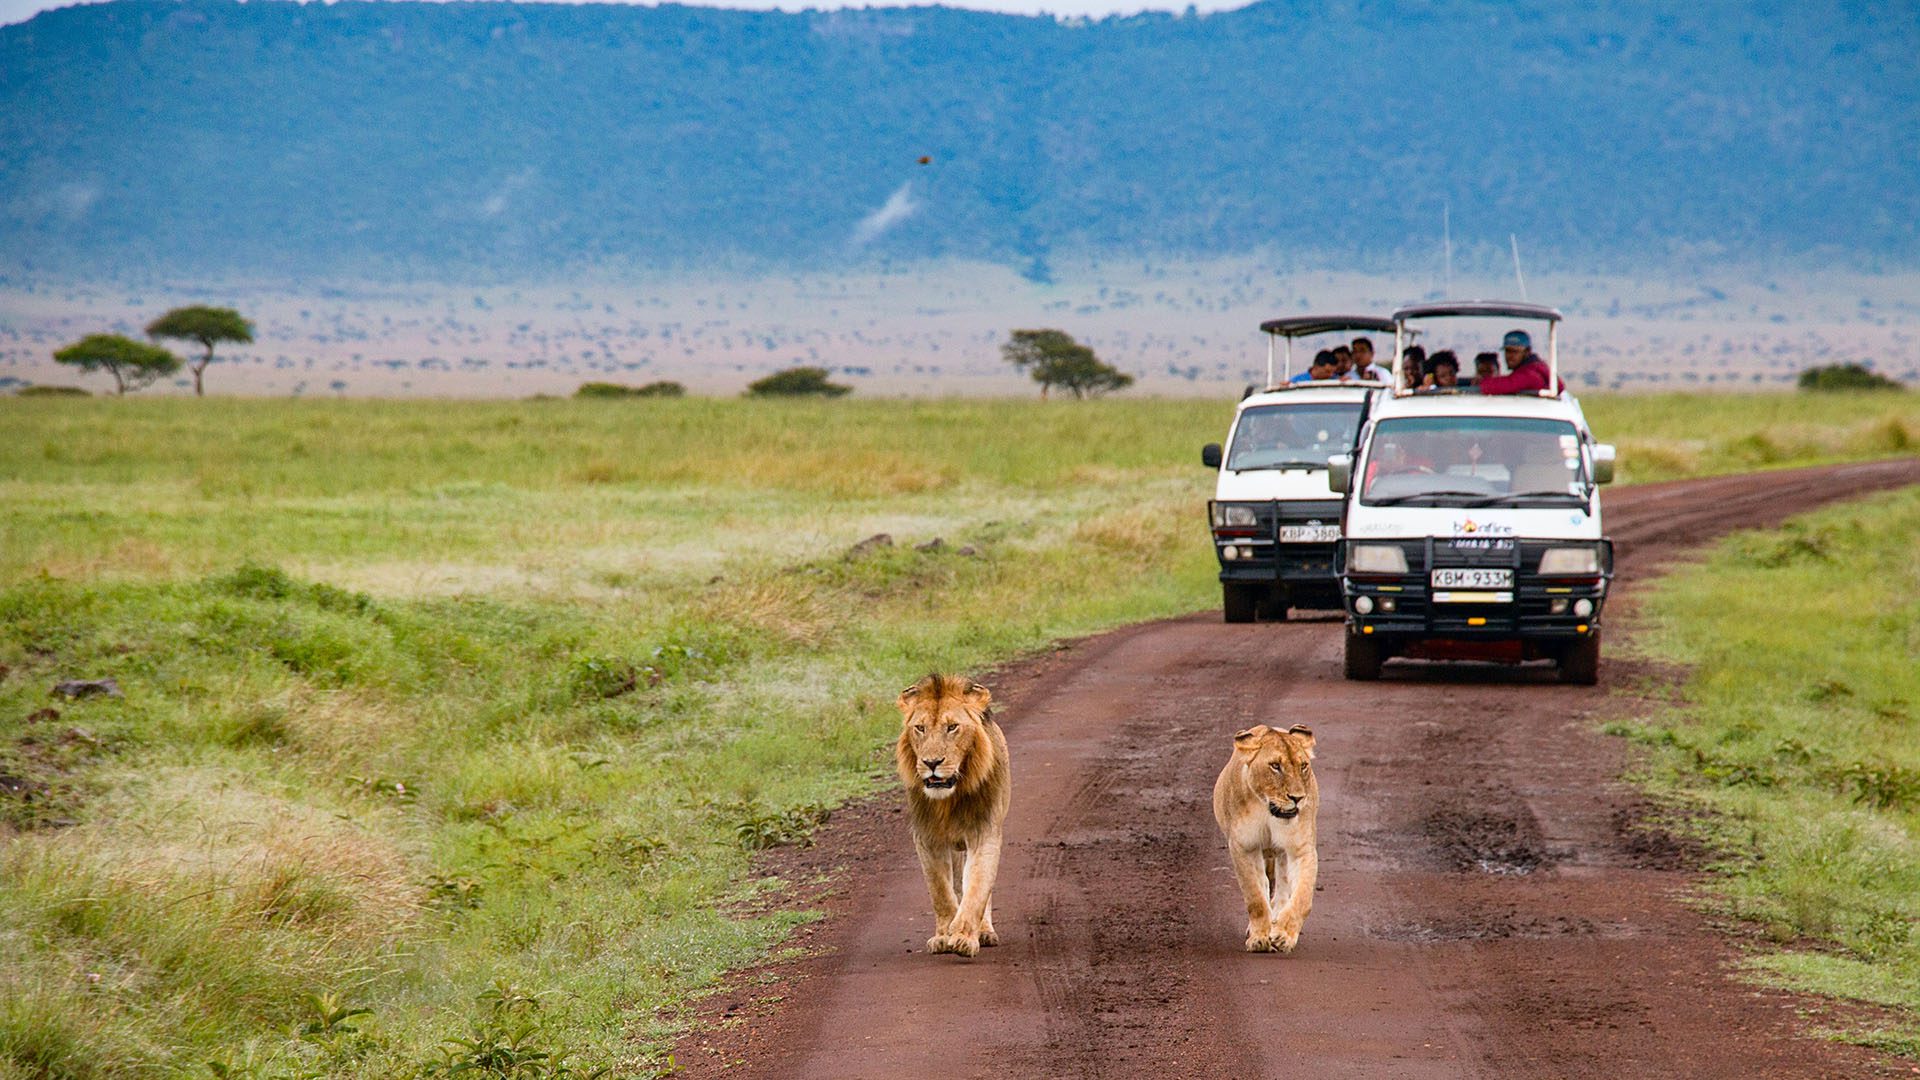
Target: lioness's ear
[
  {"x": 1246, "y": 741},
  {"x": 979, "y": 697},
  {"x": 1304, "y": 734}
]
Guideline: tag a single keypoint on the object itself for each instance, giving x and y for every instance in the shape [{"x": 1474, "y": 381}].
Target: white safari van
[
  {"x": 1471, "y": 527},
  {"x": 1275, "y": 524}
]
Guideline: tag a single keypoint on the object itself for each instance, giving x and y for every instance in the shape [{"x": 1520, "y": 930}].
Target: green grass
[
  {"x": 1672, "y": 436},
  {"x": 472, "y": 715},
  {"x": 1798, "y": 738}
]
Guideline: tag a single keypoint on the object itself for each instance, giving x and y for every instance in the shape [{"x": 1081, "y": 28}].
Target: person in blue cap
[{"x": 1526, "y": 372}]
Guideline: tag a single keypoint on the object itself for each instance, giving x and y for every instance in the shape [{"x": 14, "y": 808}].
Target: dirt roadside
[{"x": 1491, "y": 903}]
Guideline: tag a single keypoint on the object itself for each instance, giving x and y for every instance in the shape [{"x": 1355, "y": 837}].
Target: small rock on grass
[
  {"x": 85, "y": 688},
  {"x": 870, "y": 544},
  {"x": 931, "y": 546}
]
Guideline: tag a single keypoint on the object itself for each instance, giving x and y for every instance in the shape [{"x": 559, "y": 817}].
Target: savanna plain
[{"x": 450, "y": 729}]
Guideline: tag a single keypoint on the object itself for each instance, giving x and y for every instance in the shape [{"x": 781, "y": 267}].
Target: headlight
[
  {"x": 1225, "y": 514},
  {"x": 1569, "y": 561},
  {"x": 1376, "y": 559}
]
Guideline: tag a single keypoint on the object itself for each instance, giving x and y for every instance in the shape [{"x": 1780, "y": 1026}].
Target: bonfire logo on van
[{"x": 1470, "y": 527}]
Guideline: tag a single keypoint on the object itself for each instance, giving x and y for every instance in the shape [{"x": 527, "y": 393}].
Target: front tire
[
  {"x": 1363, "y": 657},
  {"x": 1580, "y": 664},
  {"x": 1239, "y": 603}
]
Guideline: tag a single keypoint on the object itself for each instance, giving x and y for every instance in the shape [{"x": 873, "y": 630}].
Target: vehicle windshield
[
  {"x": 1293, "y": 436},
  {"x": 1474, "y": 461}
]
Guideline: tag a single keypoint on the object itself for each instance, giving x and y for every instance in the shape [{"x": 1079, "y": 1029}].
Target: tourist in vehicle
[
  {"x": 1443, "y": 371},
  {"x": 1485, "y": 366},
  {"x": 1342, "y": 363},
  {"x": 1413, "y": 367},
  {"x": 1526, "y": 372},
  {"x": 1363, "y": 366},
  {"x": 1323, "y": 367}
]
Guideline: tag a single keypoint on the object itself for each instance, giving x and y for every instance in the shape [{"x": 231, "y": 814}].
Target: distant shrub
[
  {"x": 1845, "y": 377},
  {"x": 663, "y": 388},
  {"x": 51, "y": 391},
  {"x": 797, "y": 382}
]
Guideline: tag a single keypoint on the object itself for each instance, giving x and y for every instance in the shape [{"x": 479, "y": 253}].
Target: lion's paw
[
  {"x": 939, "y": 943},
  {"x": 989, "y": 936},
  {"x": 1285, "y": 938},
  {"x": 1258, "y": 941},
  {"x": 964, "y": 944}
]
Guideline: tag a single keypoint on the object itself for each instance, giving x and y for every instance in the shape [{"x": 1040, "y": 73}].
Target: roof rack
[
  {"x": 1295, "y": 326},
  {"x": 1486, "y": 308},
  {"x": 1495, "y": 309}
]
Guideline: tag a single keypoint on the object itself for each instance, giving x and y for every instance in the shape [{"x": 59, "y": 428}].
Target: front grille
[
  {"x": 1415, "y": 610},
  {"x": 1323, "y": 511}
]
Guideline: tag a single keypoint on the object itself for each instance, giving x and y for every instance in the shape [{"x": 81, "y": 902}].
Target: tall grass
[
  {"x": 1800, "y": 735},
  {"x": 1672, "y": 436},
  {"x": 471, "y": 714}
]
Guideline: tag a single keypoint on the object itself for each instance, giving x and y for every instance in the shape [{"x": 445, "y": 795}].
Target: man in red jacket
[{"x": 1526, "y": 372}]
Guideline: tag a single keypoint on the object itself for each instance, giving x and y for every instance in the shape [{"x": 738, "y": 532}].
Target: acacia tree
[
  {"x": 1053, "y": 358},
  {"x": 133, "y": 364},
  {"x": 207, "y": 325}
]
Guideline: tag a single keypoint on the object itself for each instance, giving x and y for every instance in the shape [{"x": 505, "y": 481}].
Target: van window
[
  {"x": 1293, "y": 436},
  {"x": 1474, "y": 461}
]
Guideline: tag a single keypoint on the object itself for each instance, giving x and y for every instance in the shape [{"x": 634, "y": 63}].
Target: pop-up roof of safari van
[
  {"x": 1307, "y": 326},
  {"x": 1476, "y": 309}
]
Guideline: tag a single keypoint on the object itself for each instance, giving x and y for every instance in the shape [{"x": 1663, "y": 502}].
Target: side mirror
[
  {"x": 1210, "y": 455},
  {"x": 1340, "y": 472},
  {"x": 1603, "y": 463}
]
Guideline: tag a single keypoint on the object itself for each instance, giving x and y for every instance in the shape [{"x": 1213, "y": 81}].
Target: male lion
[
  {"x": 953, "y": 760},
  {"x": 1266, "y": 801}
]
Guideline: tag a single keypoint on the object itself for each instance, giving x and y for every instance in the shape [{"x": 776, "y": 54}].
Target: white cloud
[{"x": 898, "y": 208}]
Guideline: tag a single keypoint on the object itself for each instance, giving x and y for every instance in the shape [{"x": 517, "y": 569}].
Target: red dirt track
[{"x": 1491, "y": 902}]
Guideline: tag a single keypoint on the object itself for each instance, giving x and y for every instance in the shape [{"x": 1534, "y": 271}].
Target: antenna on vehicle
[
  {"x": 1446, "y": 233},
  {"x": 1515, "y": 241}
]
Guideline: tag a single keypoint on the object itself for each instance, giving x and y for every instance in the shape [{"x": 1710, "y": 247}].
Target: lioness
[
  {"x": 953, "y": 760},
  {"x": 1266, "y": 801}
]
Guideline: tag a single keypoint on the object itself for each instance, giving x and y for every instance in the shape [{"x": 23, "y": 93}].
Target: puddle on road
[{"x": 1486, "y": 840}]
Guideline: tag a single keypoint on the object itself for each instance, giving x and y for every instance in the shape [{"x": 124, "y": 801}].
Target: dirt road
[{"x": 1491, "y": 901}]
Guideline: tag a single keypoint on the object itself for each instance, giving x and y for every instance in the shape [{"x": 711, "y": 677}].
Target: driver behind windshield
[
  {"x": 1482, "y": 460},
  {"x": 1291, "y": 436}
]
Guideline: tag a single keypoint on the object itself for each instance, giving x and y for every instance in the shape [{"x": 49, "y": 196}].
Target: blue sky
[{"x": 14, "y": 11}]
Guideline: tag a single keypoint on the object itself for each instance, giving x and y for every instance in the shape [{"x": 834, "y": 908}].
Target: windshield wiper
[
  {"x": 1515, "y": 496},
  {"x": 1397, "y": 500},
  {"x": 1285, "y": 465}
]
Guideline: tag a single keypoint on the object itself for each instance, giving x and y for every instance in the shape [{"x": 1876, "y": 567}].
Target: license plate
[
  {"x": 1472, "y": 577},
  {"x": 1309, "y": 534}
]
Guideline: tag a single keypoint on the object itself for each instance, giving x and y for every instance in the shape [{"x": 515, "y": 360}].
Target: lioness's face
[
  {"x": 941, "y": 722},
  {"x": 1278, "y": 766}
]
